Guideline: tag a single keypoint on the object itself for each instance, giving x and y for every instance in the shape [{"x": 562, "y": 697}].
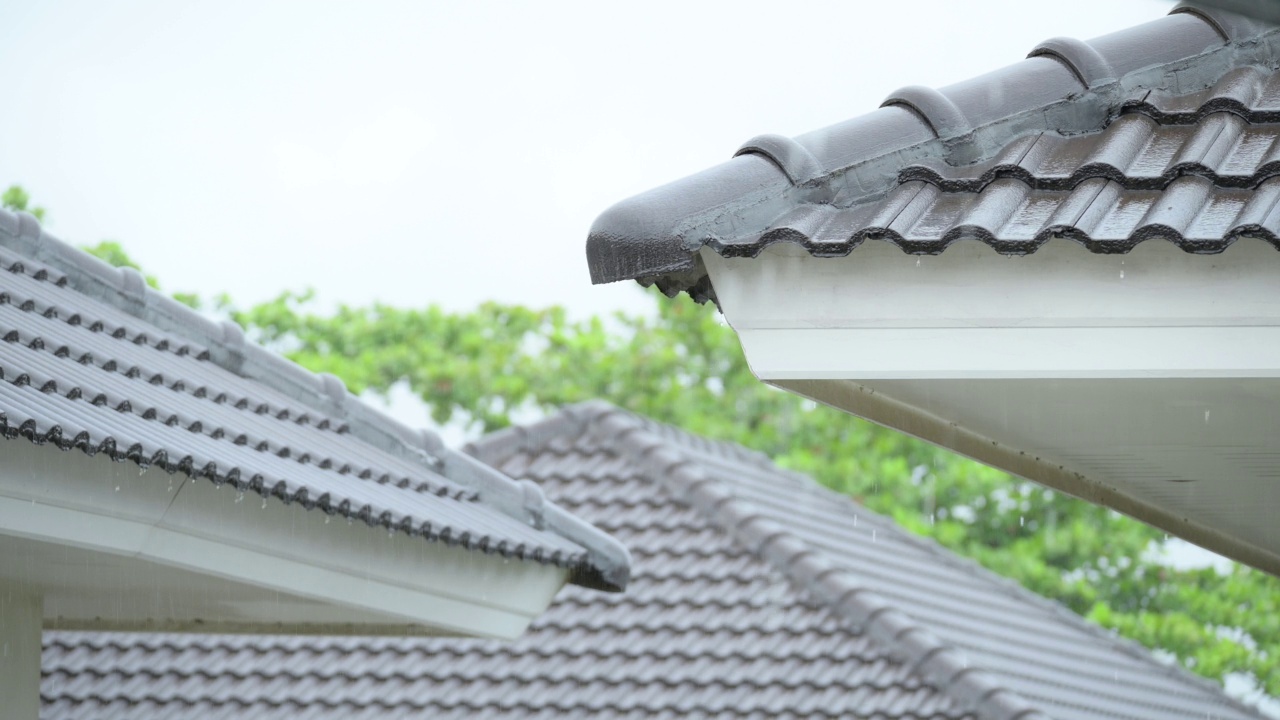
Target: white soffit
[
  {"x": 109, "y": 547},
  {"x": 1148, "y": 382}
]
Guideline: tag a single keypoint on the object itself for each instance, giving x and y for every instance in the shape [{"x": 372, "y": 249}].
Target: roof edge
[
  {"x": 1065, "y": 85},
  {"x": 608, "y": 566},
  {"x": 125, "y": 290}
]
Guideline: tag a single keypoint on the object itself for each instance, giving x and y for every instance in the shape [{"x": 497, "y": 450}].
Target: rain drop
[
  {"x": 327, "y": 519},
  {"x": 873, "y": 536},
  {"x": 917, "y": 262},
  {"x": 931, "y": 515},
  {"x": 1022, "y": 521},
  {"x": 1122, "y": 274},
  {"x": 1206, "y": 417},
  {"x": 855, "y": 521},
  {"x": 240, "y": 496},
  {"x": 264, "y": 503},
  {"x": 117, "y": 488}
]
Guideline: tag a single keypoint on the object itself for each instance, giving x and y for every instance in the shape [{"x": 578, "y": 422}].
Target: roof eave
[
  {"x": 270, "y": 567},
  {"x": 1064, "y": 85},
  {"x": 1138, "y": 382},
  {"x": 126, "y": 290}
]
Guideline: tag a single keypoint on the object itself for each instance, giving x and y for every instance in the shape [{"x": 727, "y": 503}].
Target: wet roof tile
[
  {"x": 1090, "y": 141},
  {"x": 755, "y": 594},
  {"x": 91, "y": 360}
]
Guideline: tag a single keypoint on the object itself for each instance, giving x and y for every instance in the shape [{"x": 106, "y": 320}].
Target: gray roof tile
[
  {"x": 1166, "y": 130},
  {"x": 92, "y": 360},
  {"x": 755, "y": 594}
]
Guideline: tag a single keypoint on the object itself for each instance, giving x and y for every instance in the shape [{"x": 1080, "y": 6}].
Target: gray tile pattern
[
  {"x": 1167, "y": 130},
  {"x": 1201, "y": 183},
  {"x": 87, "y": 364},
  {"x": 755, "y": 594}
]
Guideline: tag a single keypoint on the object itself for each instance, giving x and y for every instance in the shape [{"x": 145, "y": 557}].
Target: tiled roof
[
  {"x": 91, "y": 360},
  {"x": 755, "y": 594},
  {"x": 1167, "y": 130}
]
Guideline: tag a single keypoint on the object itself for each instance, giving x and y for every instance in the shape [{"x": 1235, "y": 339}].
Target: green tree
[
  {"x": 685, "y": 367},
  {"x": 17, "y": 199}
]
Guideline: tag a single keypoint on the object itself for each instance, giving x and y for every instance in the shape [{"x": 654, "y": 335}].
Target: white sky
[{"x": 441, "y": 152}]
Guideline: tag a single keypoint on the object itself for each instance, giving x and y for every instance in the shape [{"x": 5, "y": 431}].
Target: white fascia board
[
  {"x": 1012, "y": 353},
  {"x": 386, "y": 579},
  {"x": 1060, "y": 312}
]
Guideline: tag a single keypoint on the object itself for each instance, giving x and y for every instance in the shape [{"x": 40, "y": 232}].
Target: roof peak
[{"x": 676, "y": 460}]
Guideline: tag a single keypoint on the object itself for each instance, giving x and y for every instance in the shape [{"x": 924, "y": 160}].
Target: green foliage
[
  {"x": 17, "y": 199},
  {"x": 686, "y": 368}
]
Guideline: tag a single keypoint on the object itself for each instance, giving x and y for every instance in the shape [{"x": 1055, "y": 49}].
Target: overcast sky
[{"x": 440, "y": 152}]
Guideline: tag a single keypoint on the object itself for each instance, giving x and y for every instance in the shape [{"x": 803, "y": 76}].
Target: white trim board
[{"x": 112, "y": 548}]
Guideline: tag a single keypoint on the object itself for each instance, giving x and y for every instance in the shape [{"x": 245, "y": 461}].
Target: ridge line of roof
[
  {"x": 973, "y": 688},
  {"x": 957, "y": 131},
  {"x": 498, "y": 446},
  {"x": 1013, "y": 589},
  {"x": 608, "y": 565},
  {"x": 599, "y": 411}
]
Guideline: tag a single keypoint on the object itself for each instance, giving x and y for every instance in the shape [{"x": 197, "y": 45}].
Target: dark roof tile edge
[{"x": 125, "y": 289}]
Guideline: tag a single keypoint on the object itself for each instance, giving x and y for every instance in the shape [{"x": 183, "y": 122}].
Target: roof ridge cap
[
  {"x": 945, "y": 666},
  {"x": 498, "y": 446},
  {"x": 1242, "y": 43}
]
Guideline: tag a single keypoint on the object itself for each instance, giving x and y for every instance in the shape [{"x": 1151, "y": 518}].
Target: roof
[
  {"x": 1165, "y": 130},
  {"x": 756, "y": 593},
  {"x": 94, "y": 361}
]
